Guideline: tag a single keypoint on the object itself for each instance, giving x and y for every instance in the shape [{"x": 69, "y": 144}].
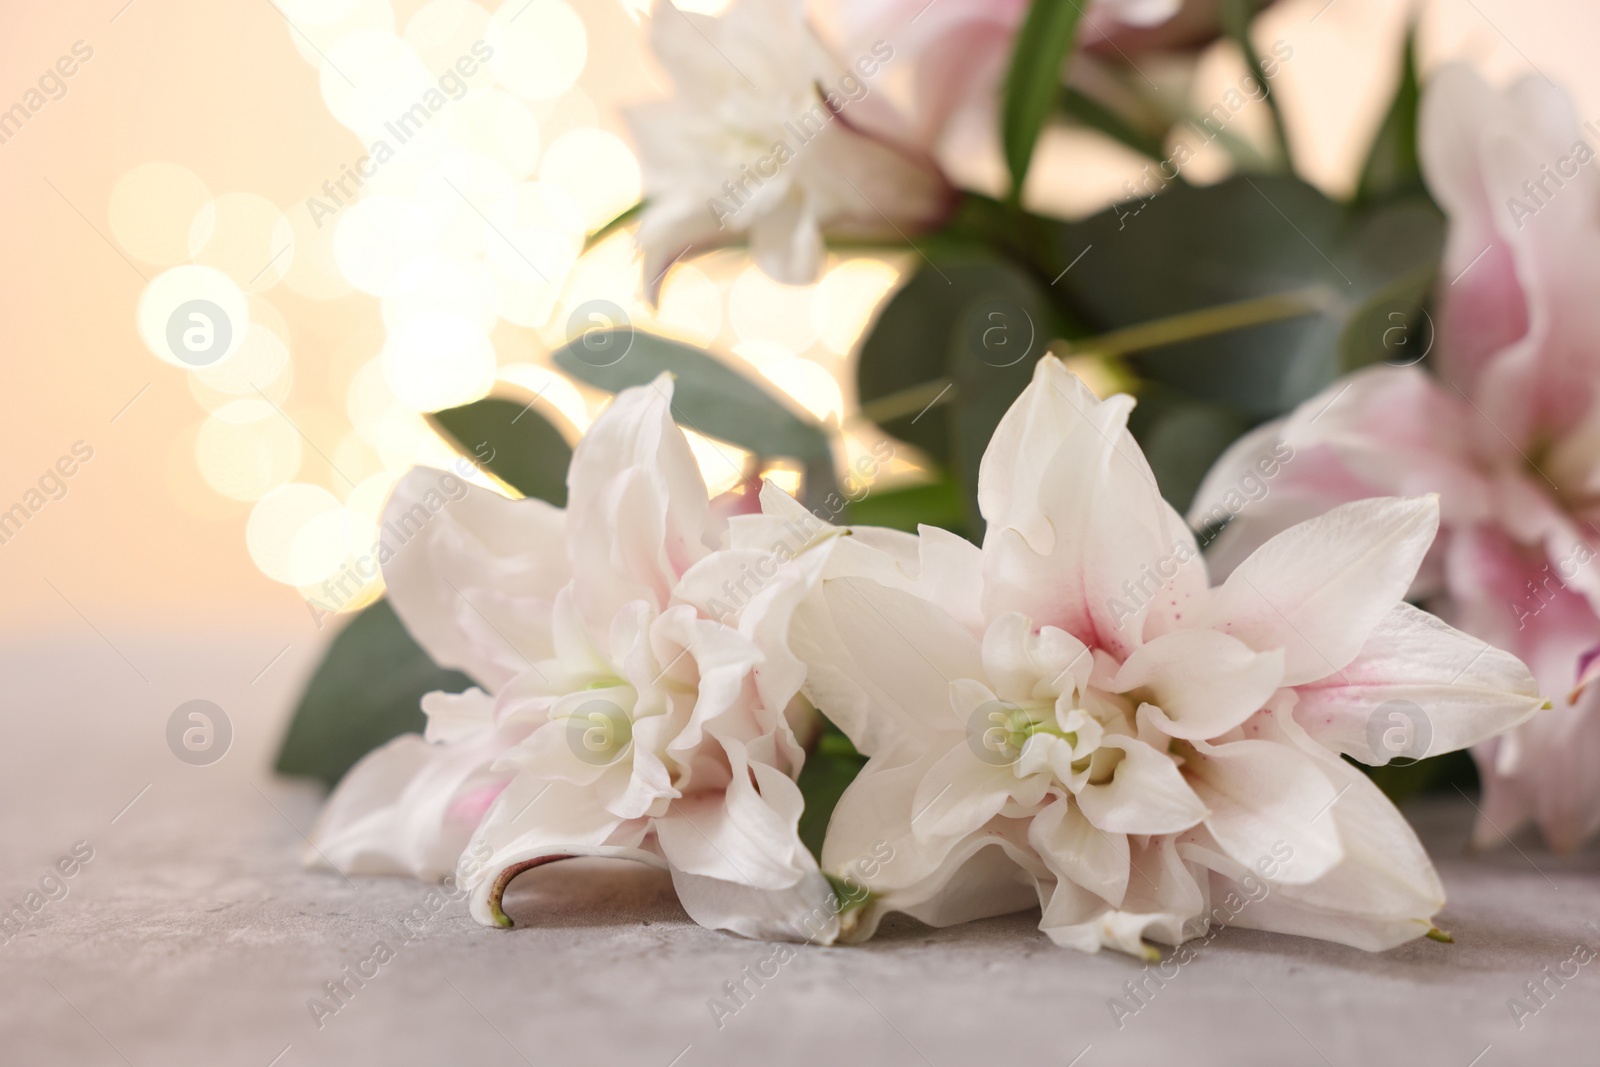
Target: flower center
[{"x": 599, "y": 729}]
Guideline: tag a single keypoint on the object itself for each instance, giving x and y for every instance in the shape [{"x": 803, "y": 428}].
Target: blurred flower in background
[
  {"x": 1508, "y": 432},
  {"x": 478, "y": 164}
]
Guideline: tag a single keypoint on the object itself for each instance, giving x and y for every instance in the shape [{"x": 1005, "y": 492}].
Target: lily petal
[
  {"x": 1202, "y": 683},
  {"x": 1318, "y": 590}
]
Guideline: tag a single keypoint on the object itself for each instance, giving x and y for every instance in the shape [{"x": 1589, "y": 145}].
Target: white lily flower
[
  {"x": 616, "y": 718},
  {"x": 770, "y": 138},
  {"x": 1071, "y": 716}
]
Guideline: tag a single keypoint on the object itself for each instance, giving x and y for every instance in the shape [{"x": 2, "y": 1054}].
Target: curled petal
[{"x": 1202, "y": 683}]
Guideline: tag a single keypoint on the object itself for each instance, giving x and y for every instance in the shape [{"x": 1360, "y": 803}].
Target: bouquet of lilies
[{"x": 1120, "y": 665}]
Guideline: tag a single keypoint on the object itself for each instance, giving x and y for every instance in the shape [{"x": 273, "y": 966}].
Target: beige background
[{"x": 217, "y": 86}]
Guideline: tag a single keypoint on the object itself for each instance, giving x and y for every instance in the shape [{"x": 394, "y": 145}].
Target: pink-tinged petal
[
  {"x": 1202, "y": 683},
  {"x": 534, "y": 821},
  {"x": 1318, "y": 590},
  {"x": 1482, "y": 308},
  {"x": 1517, "y": 330},
  {"x": 1147, "y": 794},
  {"x": 1382, "y": 893},
  {"x": 472, "y": 574},
  {"x": 470, "y": 807},
  {"x": 1561, "y": 761},
  {"x": 638, "y": 514},
  {"x": 1060, "y": 465},
  {"x": 1384, "y": 431},
  {"x": 405, "y": 807},
  {"x": 1464, "y": 689},
  {"x": 1588, "y": 671},
  {"x": 1506, "y": 806},
  {"x": 1264, "y": 796}
]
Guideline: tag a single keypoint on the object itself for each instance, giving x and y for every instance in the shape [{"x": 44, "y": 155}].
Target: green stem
[
  {"x": 1236, "y": 20},
  {"x": 1157, "y": 333},
  {"x": 1191, "y": 325}
]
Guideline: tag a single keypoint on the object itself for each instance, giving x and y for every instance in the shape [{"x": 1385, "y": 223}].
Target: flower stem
[{"x": 1157, "y": 333}]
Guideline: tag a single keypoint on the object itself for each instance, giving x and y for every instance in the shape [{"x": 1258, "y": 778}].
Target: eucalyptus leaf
[
  {"x": 1182, "y": 437},
  {"x": 1189, "y": 249},
  {"x": 967, "y": 302},
  {"x": 1034, "y": 81},
  {"x": 998, "y": 337},
  {"x": 367, "y": 691},
  {"x": 513, "y": 442},
  {"x": 708, "y": 396}
]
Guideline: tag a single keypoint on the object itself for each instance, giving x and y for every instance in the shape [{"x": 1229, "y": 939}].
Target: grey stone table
[{"x": 193, "y": 936}]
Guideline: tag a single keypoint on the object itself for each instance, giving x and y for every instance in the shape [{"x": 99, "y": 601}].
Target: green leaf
[
  {"x": 936, "y": 503},
  {"x": 828, "y": 771},
  {"x": 1247, "y": 238},
  {"x": 513, "y": 442},
  {"x": 626, "y": 218},
  {"x": 1034, "y": 81},
  {"x": 1182, "y": 437},
  {"x": 1393, "y": 169},
  {"x": 367, "y": 691},
  {"x": 948, "y": 354},
  {"x": 708, "y": 396},
  {"x": 1393, "y": 325}
]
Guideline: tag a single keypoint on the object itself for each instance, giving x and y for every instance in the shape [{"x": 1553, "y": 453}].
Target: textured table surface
[{"x": 193, "y": 936}]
